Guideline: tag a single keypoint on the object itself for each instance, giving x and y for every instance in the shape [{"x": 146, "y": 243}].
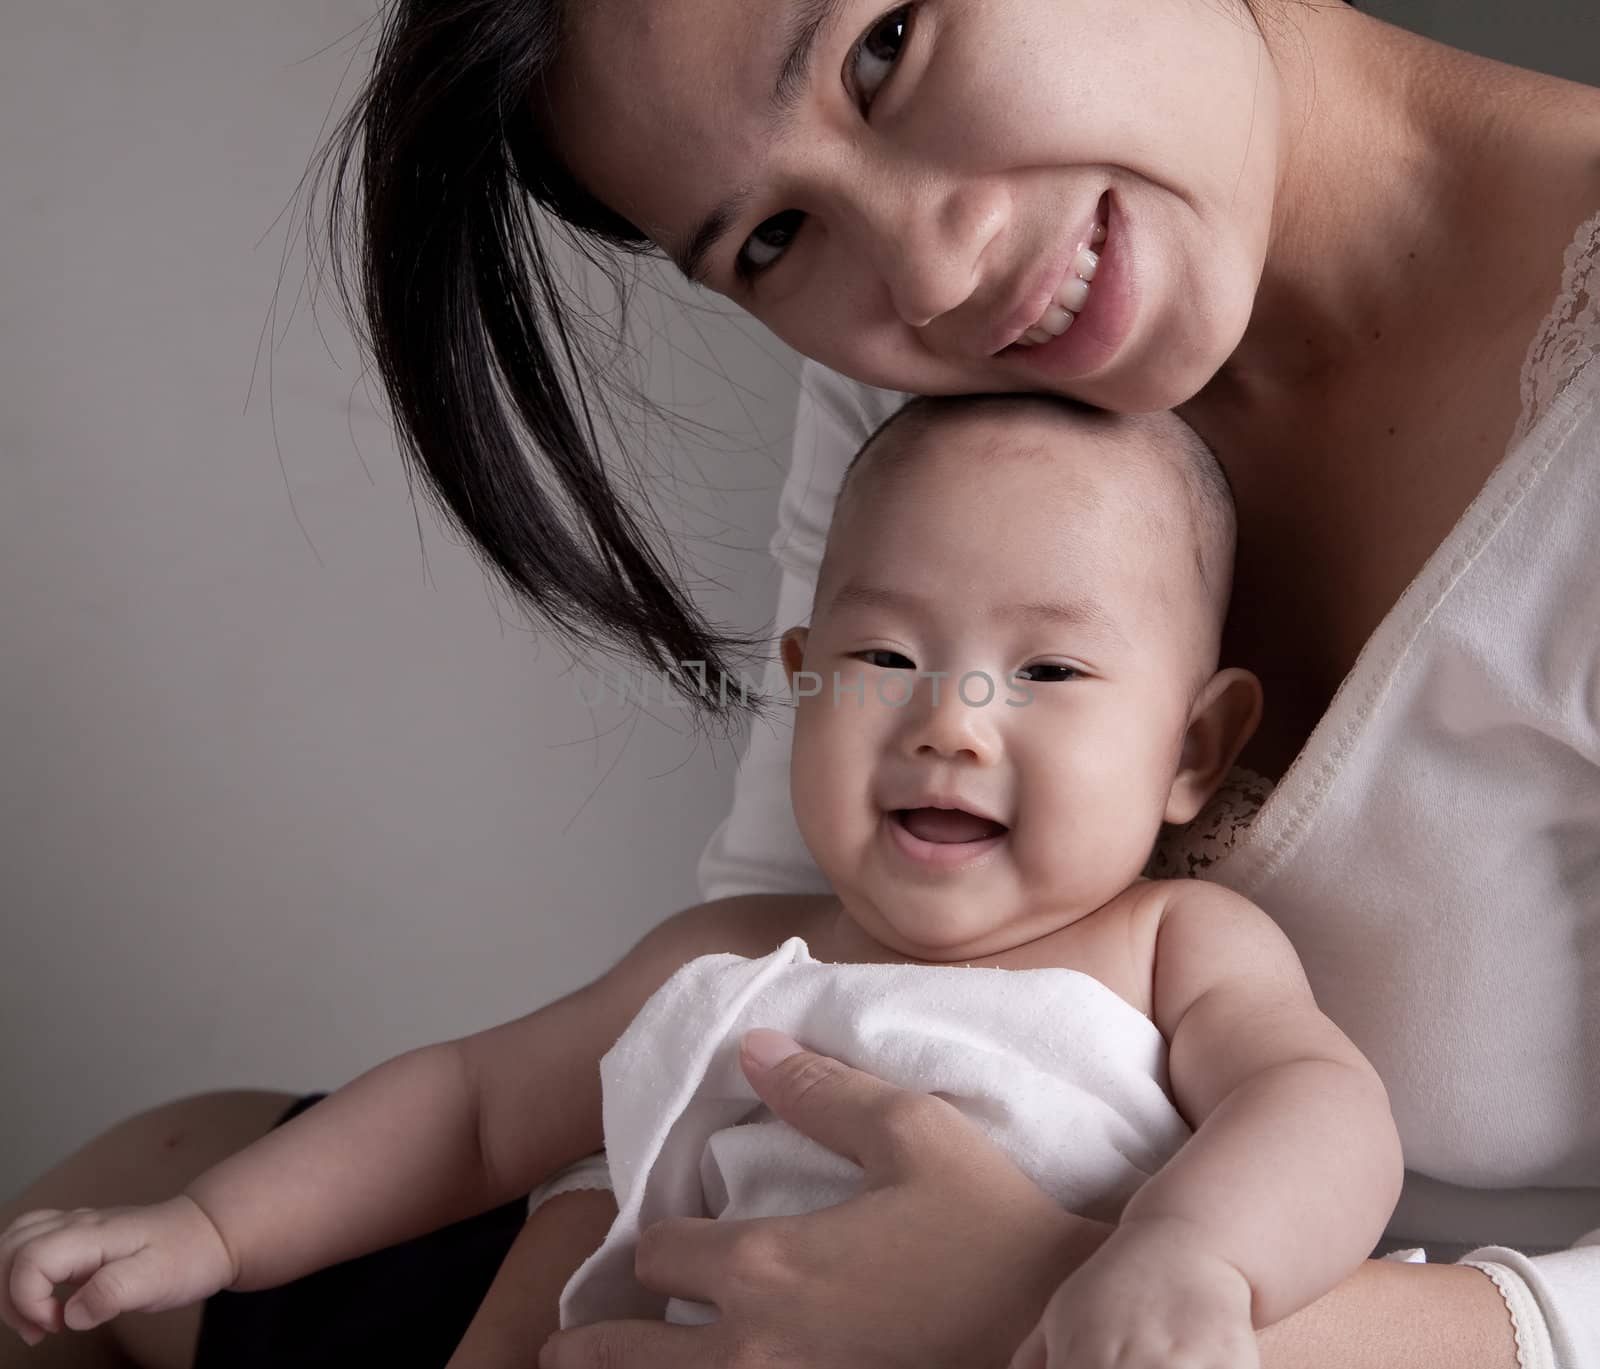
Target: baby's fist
[
  {"x": 123, "y": 1259},
  {"x": 1147, "y": 1299}
]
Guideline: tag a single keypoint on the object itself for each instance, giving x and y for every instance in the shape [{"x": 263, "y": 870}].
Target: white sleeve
[
  {"x": 1554, "y": 1301},
  {"x": 757, "y": 849}
]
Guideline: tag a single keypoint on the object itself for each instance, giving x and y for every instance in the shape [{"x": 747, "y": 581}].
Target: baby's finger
[
  {"x": 126, "y": 1285},
  {"x": 30, "y": 1332},
  {"x": 18, "y": 1236},
  {"x": 33, "y": 1218},
  {"x": 37, "y": 1320},
  {"x": 68, "y": 1255}
]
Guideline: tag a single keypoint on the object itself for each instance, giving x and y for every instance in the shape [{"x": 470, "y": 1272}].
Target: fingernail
[{"x": 767, "y": 1047}]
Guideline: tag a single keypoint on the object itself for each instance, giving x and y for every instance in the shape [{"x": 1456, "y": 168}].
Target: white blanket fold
[{"x": 1056, "y": 1069}]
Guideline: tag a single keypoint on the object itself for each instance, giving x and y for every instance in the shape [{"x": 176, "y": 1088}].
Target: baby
[{"x": 1008, "y": 685}]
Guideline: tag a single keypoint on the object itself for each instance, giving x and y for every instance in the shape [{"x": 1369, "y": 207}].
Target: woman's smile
[
  {"x": 934, "y": 228},
  {"x": 1091, "y": 312}
]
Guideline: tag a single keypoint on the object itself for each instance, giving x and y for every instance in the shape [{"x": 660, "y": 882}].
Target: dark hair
[{"x": 488, "y": 370}]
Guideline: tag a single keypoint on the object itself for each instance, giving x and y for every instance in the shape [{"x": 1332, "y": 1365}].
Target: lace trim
[
  {"x": 591, "y": 1172},
  {"x": 1570, "y": 337},
  {"x": 1534, "y": 1350},
  {"x": 1186, "y": 852}
]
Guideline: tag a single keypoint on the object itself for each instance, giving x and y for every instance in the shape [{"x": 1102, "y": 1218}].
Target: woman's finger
[
  {"x": 882, "y": 1128},
  {"x": 687, "y": 1257},
  {"x": 632, "y": 1345}
]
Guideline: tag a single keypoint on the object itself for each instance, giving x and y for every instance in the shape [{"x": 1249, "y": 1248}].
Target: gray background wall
[{"x": 286, "y": 788}]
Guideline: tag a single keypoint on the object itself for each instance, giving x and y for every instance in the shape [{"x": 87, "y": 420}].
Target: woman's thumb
[{"x": 853, "y": 1113}]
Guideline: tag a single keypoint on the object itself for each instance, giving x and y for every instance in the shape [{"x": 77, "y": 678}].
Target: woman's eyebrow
[
  {"x": 807, "y": 20},
  {"x": 691, "y": 259}
]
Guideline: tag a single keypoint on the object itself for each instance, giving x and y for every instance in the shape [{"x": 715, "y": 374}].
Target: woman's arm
[
  {"x": 1389, "y": 1315},
  {"x": 522, "y": 1306},
  {"x": 948, "y": 1258}
]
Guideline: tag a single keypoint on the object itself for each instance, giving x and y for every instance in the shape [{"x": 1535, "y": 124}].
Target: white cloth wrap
[{"x": 1051, "y": 1065}]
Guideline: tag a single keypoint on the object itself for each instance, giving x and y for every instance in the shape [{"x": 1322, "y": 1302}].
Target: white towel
[{"x": 1055, "y": 1068}]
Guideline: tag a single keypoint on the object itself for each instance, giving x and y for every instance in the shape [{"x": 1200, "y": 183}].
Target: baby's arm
[
  {"x": 443, "y": 1132},
  {"x": 1285, "y": 1185},
  {"x": 1295, "y": 1163},
  {"x": 428, "y": 1138}
]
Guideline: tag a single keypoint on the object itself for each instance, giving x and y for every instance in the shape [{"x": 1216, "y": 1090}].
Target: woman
[{"x": 1328, "y": 243}]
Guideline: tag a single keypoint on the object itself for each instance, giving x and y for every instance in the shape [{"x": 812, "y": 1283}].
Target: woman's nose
[{"x": 927, "y": 235}]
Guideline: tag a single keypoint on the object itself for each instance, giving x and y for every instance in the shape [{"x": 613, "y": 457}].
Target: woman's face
[{"x": 902, "y": 192}]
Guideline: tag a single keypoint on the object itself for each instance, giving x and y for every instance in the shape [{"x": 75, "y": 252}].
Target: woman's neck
[{"x": 1393, "y": 152}]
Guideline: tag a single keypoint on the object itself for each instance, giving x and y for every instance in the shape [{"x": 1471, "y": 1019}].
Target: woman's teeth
[{"x": 1070, "y": 298}]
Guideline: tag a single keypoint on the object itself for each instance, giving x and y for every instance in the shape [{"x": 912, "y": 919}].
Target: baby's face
[{"x": 1038, "y": 587}]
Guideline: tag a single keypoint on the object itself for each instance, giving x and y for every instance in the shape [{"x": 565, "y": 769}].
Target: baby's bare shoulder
[{"x": 747, "y": 924}]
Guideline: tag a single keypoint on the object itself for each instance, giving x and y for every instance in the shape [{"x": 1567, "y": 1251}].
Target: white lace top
[{"x": 1434, "y": 852}]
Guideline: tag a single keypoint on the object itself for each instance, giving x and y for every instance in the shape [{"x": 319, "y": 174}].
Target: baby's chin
[{"x": 939, "y": 927}]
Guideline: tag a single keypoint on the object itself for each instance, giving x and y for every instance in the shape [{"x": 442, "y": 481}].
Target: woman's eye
[
  {"x": 873, "y": 58},
  {"x": 1048, "y": 673},
  {"x": 769, "y": 242},
  {"x": 886, "y": 660},
  {"x": 869, "y": 65}
]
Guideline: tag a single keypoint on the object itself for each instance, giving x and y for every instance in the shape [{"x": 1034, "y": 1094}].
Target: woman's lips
[
  {"x": 940, "y": 854},
  {"x": 1096, "y": 331},
  {"x": 1071, "y": 297}
]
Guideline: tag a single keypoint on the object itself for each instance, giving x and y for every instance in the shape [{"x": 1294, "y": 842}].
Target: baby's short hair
[{"x": 1207, "y": 495}]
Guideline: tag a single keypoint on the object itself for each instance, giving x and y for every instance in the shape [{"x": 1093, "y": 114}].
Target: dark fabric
[{"x": 406, "y": 1307}]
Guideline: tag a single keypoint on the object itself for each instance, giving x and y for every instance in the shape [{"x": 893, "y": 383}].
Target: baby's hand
[
  {"x": 1152, "y": 1297},
  {"x": 125, "y": 1259}
]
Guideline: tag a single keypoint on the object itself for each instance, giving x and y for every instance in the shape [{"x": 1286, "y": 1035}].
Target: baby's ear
[
  {"x": 792, "y": 650},
  {"x": 1223, "y": 719}
]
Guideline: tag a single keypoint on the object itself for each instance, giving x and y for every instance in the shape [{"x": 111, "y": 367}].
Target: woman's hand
[
  {"x": 126, "y": 1259},
  {"x": 945, "y": 1261}
]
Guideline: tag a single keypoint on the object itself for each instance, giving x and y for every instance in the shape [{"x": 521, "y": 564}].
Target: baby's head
[{"x": 1011, "y": 669}]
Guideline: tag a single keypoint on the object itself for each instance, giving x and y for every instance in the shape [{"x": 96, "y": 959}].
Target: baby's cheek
[{"x": 814, "y": 776}]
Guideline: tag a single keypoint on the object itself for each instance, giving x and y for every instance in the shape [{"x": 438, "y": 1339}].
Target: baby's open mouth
[{"x": 947, "y": 826}]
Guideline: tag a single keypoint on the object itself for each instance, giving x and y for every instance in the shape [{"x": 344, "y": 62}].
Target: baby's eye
[
  {"x": 1047, "y": 672},
  {"x": 886, "y": 660},
  {"x": 873, "y": 58},
  {"x": 771, "y": 238}
]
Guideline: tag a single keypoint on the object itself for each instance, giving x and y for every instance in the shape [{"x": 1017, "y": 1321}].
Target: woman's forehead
[{"x": 658, "y": 105}]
